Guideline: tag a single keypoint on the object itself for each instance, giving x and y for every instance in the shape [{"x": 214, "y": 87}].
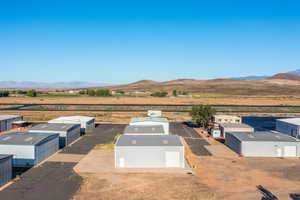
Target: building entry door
[{"x": 172, "y": 159}]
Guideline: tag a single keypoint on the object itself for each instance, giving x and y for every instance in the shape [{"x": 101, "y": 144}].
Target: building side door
[
  {"x": 121, "y": 162},
  {"x": 290, "y": 151},
  {"x": 279, "y": 152},
  {"x": 172, "y": 159}
]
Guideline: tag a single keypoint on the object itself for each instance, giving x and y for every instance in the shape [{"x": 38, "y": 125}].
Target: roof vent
[
  {"x": 28, "y": 139},
  {"x": 6, "y": 138},
  {"x": 133, "y": 142},
  {"x": 165, "y": 141}
]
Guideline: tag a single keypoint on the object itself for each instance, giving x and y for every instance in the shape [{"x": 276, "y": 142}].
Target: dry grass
[
  {"x": 104, "y": 147},
  {"x": 205, "y": 99}
]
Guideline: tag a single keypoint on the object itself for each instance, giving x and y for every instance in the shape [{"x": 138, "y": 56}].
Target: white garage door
[
  {"x": 172, "y": 159},
  {"x": 290, "y": 151}
]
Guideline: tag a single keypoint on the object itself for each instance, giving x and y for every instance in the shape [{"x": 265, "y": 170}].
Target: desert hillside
[{"x": 278, "y": 84}]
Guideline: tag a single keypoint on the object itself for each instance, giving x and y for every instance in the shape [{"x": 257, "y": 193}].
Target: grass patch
[
  {"x": 110, "y": 146},
  {"x": 206, "y": 196},
  {"x": 104, "y": 147}
]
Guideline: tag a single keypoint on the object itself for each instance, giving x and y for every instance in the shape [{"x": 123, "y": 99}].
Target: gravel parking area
[
  {"x": 103, "y": 133},
  {"x": 196, "y": 142},
  {"x": 57, "y": 180}
]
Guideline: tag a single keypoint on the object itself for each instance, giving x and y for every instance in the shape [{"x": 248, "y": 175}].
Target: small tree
[
  {"x": 32, "y": 93},
  {"x": 4, "y": 93},
  {"x": 175, "y": 93},
  {"x": 201, "y": 114},
  {"x": 91, "y": 92},
  {"x": 159, "y": 94}
]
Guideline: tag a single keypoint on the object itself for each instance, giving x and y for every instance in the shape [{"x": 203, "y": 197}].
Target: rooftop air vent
[
  {"x": 28, "y": 139},
  {"x": 165, "y": 141},
  {"x": 6, "y": 138}
]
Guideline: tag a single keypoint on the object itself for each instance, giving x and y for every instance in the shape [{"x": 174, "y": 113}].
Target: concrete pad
[
  {"x": 221, "y": 150},
  {"x": 102, "y": 161},
  {"x": 61, "y": 157}
]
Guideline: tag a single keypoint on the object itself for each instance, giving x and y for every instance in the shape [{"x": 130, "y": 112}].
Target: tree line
[{"x": 96, "y": 93}]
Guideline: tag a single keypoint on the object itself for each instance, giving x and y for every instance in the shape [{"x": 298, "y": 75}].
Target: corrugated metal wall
[
  {"x": 287, "y": 128},
  {"x": 233, "y": 143},
  {"x": 90, "y": 126},
  {"x": 72, "y": 135},
  {"x": 6, "y": 125},
  {"x": 46, "y": 149},
  {"x": 267, "y": 149},
  {"x": 146, "y": 157},
  {"x": 5, "y": 170},
  {"x": 22, "y": 154}
]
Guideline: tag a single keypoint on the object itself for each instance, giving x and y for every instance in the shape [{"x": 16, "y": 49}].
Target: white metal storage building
[
  {"x": 29, "y": 149},
  {"x": 7, "y": 120},
  {"x": 233, "y": 127},
  {"x": 144, "y": 130},
  {"x": 289, "y": 126},
  {"x": 67, "y": 132},
  {"x": 87, "y": 123},
  {"x": 150, "y": 121},
  {"x": 227, "y": 119},
  {"x": 154, "y": 113},
  {"x": 149, "y": 151},
  {"x": 5, "y": 169},
  {"x": 263, "y": 144}
]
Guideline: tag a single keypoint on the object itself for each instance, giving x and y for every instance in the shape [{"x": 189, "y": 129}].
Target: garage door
[
  {"x": 290, "y": 151},
  {"x": 172, "y": 159}
]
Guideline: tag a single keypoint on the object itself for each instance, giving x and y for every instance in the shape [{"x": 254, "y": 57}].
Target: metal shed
[
  {"x": 289, "y": 126},
  {"x": 150, "y": 121},
  {"x": 154, "y": 113},
  {"x": 149, "y": 151},
  {"x": 144, "y": 130},
  {"x": 7, "y": 120},
  {"x": 227, "y": 119},
  {"x": 87, "y": 123},
  {"x": 29, "y": 149},
  {"x": 233, "y": 127},
  {"x": 263, "y": 144},
  {"x": 5, "y": 169},
  {"x": 67, "y": 132}
]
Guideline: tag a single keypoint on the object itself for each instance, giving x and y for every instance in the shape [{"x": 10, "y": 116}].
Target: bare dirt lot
[{"x": 216, "y": 176}]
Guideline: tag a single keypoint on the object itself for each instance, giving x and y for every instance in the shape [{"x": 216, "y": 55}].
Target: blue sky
[{"x": 124, "y": 41}]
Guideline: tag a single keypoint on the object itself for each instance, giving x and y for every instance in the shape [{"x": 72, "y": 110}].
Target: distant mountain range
[
  {"x": 296, "y": 72},
  {"x": 43, "y": 85},
  {"x": 292, "y": 75}
]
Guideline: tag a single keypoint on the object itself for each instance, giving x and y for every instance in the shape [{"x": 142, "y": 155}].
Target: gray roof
[
  {"x": 25, "y": 138},
  {"x": 5, "y": 117},
  {"x": 235, "y": 125},
  {"x": 4, "y": 156},
  {"x": 78, "y": 119},
  {"x": 295, "y": 121},
  {"x": 149, "y": 140},
  {"x": 154, "y": 129},
  {"x": 54, "y": 127},
  {"x": 264, "y": 136},
  {"x": 149, "y": 119}
]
